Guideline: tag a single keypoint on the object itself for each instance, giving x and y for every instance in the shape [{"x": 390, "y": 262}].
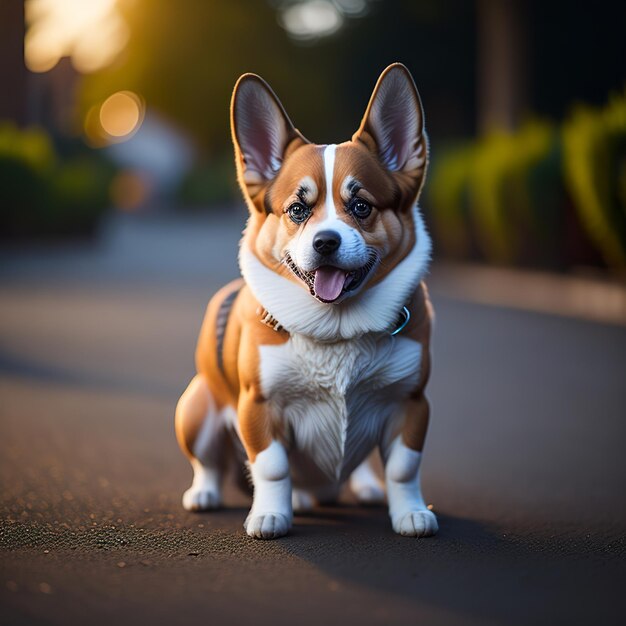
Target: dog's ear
[
  {"x": 393, "y": 124},
  {"x": 261, "y": 132}
]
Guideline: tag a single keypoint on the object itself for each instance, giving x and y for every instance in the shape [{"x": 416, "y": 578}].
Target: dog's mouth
[{"x": 328, "y": 283}]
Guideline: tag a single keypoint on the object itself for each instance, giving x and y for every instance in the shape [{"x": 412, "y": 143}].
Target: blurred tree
[
  {"x": 502, "y": 62},
  {"x": 13, "y": 74},
  {"x": 577, "y": 53}
]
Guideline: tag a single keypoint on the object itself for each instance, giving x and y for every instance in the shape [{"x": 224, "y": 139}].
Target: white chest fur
[{"x": 336, "y": 399}]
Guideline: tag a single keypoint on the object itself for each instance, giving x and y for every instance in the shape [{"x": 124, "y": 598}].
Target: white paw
[
  {"x": 416, "y": 524},
  {"x": 267, "y": 525},
  {"x": 370, "y": 494},
  {"x": 201, "y": 499},
  {"x": 302, "y": 501}
]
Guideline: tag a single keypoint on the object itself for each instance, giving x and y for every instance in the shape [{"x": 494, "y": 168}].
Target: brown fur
[{"x": 418, "y": 410}]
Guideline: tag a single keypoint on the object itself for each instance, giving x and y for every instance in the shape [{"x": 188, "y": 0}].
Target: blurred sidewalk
[
  {"x": 596, "y": 299},
  {"x": 147, "y": 248}
]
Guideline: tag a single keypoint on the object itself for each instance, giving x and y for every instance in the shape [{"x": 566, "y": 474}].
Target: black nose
[{"x": 326, "y": 241}]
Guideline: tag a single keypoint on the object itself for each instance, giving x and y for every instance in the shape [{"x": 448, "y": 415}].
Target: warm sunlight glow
[
  {"x": 91, "y": 32},
  {"x": 121, "y": 114}
]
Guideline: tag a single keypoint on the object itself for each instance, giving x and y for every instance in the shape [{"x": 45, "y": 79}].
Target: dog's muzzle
[{"x": 328, "y": 283}]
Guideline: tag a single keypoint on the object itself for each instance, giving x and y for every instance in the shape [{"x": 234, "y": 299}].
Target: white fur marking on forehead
[{"x": 329, "y": 168}]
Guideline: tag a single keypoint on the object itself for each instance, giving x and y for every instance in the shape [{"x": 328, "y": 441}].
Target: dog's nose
[{"x": 326, "y": 241}]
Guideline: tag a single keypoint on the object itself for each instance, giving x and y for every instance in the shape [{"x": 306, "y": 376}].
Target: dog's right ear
[{"x": 261, "y": 132}]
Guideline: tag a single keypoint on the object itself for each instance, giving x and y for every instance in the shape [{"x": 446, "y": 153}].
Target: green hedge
[
  {"x": 516, "y": 198},
  {"x": 595, "y": 171},
  {"x": 42, "y": 194}
]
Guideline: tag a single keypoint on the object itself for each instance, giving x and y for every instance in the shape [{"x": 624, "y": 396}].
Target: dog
[{"x": 320, "y": 353}]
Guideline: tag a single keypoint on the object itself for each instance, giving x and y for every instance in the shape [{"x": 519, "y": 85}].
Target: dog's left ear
[{"x": 393, "y": 125}]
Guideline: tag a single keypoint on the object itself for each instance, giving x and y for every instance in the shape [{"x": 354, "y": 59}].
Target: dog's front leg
[
  {"x": 271, "y": 513},
  {"x": 409, "y": 514}
]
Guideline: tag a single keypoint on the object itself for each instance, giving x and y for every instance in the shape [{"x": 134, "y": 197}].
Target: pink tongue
[{"x": 329, "y": 282}]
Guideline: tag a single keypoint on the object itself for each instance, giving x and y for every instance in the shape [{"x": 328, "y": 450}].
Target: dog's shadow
[
  {"x": 356, "y": 545},
  {"x": 469, "y": 568}
]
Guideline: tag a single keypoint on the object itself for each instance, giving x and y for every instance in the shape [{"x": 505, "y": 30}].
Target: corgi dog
[{"x": 320, "y": 353}]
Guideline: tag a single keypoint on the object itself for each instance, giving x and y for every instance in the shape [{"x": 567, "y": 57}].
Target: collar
[{"x": 269, "y": 320}]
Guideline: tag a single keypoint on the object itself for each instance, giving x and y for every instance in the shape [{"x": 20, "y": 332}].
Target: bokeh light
[
  {"x": 121, "y": 114},
  {"x": 311, "y": 19}
]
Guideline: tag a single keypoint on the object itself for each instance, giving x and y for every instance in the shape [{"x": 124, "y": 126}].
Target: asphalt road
[{"x": 524, "y": 463}]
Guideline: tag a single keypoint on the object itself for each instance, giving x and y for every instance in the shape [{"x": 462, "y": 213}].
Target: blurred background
[
  {"x": 113, "y": 106},
  {"x": 120, "y": 216}
]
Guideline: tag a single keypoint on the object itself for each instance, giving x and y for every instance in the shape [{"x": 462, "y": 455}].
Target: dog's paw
[
  {"x": 267, "y": 525},
  {"x": 370, "y": 495},
  {"x": 302, "y": 501},
  {"x": 201, "y": 499},
  {"x": 416, "y": 524}
]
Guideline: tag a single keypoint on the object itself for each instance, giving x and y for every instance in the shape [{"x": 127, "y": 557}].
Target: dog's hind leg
[
  {"x": 302, "y": 501},
  {"x": 202, "y": 436},
  {"x": 365, "y": 484}
]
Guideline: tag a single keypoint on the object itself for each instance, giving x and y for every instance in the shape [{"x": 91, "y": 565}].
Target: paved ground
[{"x": 525, "y": 462}]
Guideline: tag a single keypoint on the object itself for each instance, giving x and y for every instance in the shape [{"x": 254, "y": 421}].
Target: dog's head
[{"x": 335, "y": 219}]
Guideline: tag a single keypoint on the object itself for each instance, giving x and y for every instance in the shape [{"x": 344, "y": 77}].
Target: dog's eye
[
  {"x": 360, "y": 208},
  {"x": 298, "y": 212}
]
